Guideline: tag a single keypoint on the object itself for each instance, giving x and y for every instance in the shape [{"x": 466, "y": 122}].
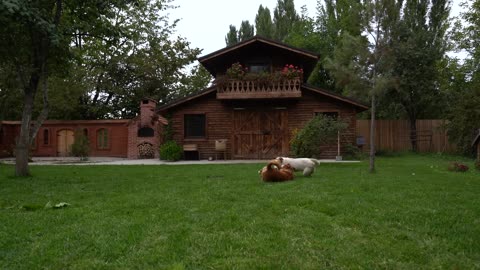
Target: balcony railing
[{"x": 243, "y": 89}]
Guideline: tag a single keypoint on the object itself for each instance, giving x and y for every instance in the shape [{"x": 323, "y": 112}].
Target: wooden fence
[{"x": 394, "y": 135}]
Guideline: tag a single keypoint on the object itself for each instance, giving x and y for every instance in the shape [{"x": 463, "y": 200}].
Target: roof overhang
[{"x": 254, "y": 45}]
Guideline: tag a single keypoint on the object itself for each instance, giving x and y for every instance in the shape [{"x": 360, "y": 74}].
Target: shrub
[
  {"x": 171, "y": 151},
  {"x": 81, "y": 146},
  {"x": 353, "y": 153},
  {"x": 321, "y": 130},
  {"x": 457, "y": 167}
]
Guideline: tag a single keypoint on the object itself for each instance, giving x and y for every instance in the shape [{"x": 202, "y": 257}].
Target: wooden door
[
  {"x": 260, "y": 134},
  {"x": 65, "y": 139}
]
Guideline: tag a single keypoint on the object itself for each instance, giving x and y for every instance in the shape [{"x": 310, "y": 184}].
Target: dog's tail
[{"x": 316, "y": 161}]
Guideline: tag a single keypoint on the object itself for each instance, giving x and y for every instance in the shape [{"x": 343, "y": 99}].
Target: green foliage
[
  {"x": 171, "y": 151},
  {"x": 246, "y": 31},
  {"x": 284, "y": 17},
  {"x": 263, "y": 22},
  {"x": 232, "y": 36},
  {"x": 81, "y": 146},
  {"x": 464, "y": 118},
  {"x": 352, "y": 152},
  {"x": 319, "y": 131}
]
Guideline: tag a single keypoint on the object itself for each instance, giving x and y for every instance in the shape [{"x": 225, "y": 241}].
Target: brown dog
[{"x": 274, "y": 172}]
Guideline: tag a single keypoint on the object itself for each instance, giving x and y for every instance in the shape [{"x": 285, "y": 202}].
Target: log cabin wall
[{"x": 220, "y": 120}]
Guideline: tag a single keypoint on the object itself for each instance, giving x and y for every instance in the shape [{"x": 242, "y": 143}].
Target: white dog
[{"x": 307, "y": 165}]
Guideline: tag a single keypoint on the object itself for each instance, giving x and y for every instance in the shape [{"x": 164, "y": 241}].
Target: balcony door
[{"x": 260, "y": 134}]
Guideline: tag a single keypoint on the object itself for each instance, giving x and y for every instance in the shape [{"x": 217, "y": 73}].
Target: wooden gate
[
  {"x": 65, "y": 139},
  {"x": 260, "y": 134}
]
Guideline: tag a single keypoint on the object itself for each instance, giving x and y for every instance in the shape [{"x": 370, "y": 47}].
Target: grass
[{"x": 411, "y": 214}]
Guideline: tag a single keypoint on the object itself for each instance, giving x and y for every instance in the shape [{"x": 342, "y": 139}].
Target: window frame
[
  {"x": 205, "y": 133},
  {"x": 106, "y": 143}
]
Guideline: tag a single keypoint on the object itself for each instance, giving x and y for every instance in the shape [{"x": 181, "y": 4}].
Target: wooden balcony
[{"x": 244, "y": 89}]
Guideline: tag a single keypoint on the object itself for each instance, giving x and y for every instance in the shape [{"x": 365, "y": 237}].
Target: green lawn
[{"x": 411, "y": 214}]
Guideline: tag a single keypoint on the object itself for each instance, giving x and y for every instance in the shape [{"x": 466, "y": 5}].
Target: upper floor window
[
  {"x": 102, "y": 138},
  {"x": 258, "y": 68},
  {"x": 46, "y": 137},
  {"x": 194, "y": 126}
]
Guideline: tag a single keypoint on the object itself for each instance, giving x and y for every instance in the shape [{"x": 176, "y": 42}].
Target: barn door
[
  {"x": 260, "y": 134},
  {"x": 65, "y": 139}
]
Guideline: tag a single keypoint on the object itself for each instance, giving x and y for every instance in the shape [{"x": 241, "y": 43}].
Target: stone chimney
[{"x": 147, "y": 110}]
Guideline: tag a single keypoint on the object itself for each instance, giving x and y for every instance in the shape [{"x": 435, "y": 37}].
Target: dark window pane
[
  {"x": 45, "y": 136},
  {"x": 194, "y": 126}
]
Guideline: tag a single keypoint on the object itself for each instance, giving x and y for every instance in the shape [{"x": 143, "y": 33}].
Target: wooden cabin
[{"x": 259, "y": 99}]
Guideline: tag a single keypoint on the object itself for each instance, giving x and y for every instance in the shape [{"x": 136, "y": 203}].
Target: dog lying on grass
[
  {"x": 306, "y": 165},
  {"x": 275, "y": 172}
]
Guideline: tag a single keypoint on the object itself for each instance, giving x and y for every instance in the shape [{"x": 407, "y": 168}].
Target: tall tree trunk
[
  {"x": 372, "y": 136},
  {"x": 413, "y": 133},
  {"x": 23, "y": 142}
]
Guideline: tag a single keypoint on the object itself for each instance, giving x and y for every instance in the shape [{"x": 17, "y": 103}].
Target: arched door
[{"x": 65, "y": 139}]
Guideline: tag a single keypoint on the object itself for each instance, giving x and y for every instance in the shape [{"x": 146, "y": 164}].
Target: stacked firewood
[{"x": 145, "y": 150}]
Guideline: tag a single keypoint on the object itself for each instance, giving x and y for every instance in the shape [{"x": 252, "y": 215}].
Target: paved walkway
[{"x": 124, "y": 161}]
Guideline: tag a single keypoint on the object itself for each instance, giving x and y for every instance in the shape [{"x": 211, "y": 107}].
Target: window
[
  {"x": 145, "y": 132},
  {"x": 102, "y": 138},
  {"x": 194, "y": 126},
  {"x": 333, "y": 115},
  {"x": 46, "y": 137},
  {"x": 258, "y": 68}
]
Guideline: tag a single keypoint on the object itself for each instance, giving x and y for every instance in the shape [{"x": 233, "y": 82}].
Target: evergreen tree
[
  {"x": 232, "y": 36},
  {"x": 263, "y": 22},
  {"x": 246, "y": 31},
  {"x": 284, "y": 17}
]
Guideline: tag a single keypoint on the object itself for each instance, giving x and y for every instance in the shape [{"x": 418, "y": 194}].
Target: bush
[
  {"x": 321, "y": 130},
  {"x": 457, "y": 167},
  {"x": 353, "y": 153},
  {"x": 81, "y": 146},
  {"x": 171, "y": 151}
]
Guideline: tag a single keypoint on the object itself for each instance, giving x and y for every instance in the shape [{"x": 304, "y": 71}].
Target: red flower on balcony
[{"x": 291, "y": 71}]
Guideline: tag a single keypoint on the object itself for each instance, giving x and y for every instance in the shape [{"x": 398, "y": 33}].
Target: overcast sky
[{"x": 204, "y": 23}]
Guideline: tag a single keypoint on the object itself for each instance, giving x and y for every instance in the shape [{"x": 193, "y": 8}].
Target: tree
[
  {"x": 105, "y": 55},
  {"x": 32, "y": 33},
  {"x": 284, "y": 17},
  {"x": 246, "y": 31},
  {"x": 362, "y": 64},
  {"x": 419, "y": 38},
  {"x": 232, "y": 36},
  {"x": 463, "y": 84},
  {"x": 263, "y": 22}
]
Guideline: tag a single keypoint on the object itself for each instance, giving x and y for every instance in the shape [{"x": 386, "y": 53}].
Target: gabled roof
[
  {"x": 359, "y": 105},
  {"x": 255, "y": 45},
  {"x": 179, "y": 101}
]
